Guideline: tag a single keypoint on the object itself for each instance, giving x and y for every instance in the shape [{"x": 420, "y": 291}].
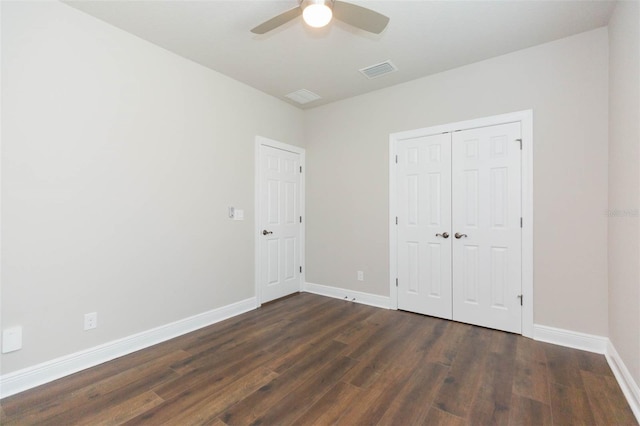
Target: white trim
[
  {"x": 625, "y": 379},
  {"x": 260, "y": 141},
  {"x": 600, "y": 345},
  {"x": 526, "y": 120},
  {"x": 393, "y": 229},
  {"x": 570, "y": 339},
  {"x": 526, "y": 123},
  {"x": 351, "y": 295},
  {"x": 48, "y": 371}
]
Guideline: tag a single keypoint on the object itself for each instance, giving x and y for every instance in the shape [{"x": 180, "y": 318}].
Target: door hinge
[
  {"x": 301, "y": 269},
  {"x": 396, "y": 159},
  {"x": 396, "y": 220},
  {"x": 300, "y": 219},
  {"x": 520, "y": 297},
  {"x": 520, "y": 222},
  {"x": 519, "y": 140},
  {"x": 396, "y": 282},
  {"x": 300, "y": 169}
]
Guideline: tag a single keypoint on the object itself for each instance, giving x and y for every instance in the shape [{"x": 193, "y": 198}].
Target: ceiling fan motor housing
[{"x": 305, "y": 3}]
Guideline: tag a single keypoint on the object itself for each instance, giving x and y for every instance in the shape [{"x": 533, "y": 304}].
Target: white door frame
[
  {"x": 525, "y": 118},
  {"x": 262, "y": 141}
]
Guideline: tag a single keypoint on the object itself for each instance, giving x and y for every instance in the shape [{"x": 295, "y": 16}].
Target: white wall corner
[
  {"x": 30, "y": 377},
  {"x": 570, "y": 339},
  {"x": 351, "y": 295},
  {"x": 628, "y": 385}
]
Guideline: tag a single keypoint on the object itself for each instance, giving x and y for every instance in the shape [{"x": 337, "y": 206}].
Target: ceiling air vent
[
  {"x": 378, "y": 70},
  {"x": 302, "y": 96}
]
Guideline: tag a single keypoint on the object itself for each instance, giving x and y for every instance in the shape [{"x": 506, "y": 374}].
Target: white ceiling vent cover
[
  {"x": 302, "y": 96},
  {"x": 379, "y": 70}
]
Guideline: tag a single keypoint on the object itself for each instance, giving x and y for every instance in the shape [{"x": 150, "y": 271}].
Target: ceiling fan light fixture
[{"x": 316, "y": 13}]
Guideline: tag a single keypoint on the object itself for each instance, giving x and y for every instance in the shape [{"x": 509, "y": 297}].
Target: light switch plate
[{"x": 239, "y": 214}]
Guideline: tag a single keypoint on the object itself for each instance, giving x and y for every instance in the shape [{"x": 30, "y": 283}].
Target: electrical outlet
[
  {"x": 360, "y": 275},
  {"x": 90, "y": 320},
  {"x": 12, "y": 339}
]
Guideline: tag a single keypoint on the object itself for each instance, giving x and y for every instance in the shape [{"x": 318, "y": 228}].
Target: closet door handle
[
  {"x": 443, "y": 235},
  {"x": 459, "y": 235}
]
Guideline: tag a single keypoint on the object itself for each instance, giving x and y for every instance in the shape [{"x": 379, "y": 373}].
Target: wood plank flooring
[{"x": 311, "y": 360}]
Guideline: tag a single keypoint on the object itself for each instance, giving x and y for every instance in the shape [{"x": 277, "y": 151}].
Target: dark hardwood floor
[{"x": 308, "y": 360}]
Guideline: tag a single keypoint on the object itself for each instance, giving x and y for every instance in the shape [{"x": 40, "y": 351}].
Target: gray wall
[
  {"x": 624, "y": 184},
  {"x": 564, "y": 82},
  {"x": 119, "y": 161}
]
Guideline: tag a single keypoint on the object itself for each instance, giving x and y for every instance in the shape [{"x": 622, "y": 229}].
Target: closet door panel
[
  {"x": 424, "y": 218},
  {"x": 486, "y": 207}
]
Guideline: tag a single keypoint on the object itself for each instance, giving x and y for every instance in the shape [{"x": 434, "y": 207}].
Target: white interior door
[
  {"x": 279, "y": 263},
  {"x": 486, "y": 204},
  {"x": 424, "y": 225}
]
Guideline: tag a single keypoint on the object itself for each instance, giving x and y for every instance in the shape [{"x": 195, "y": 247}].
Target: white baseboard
[
  {"x": 625, "y": 380},
  {"x": 351, "y": 295},
  {"x": 600, "y": 345},
  {"x": 48, "y": 371},
  {"x": 570, "y": 339}
]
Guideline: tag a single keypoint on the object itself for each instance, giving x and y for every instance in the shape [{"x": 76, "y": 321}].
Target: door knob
[
  {"x": 265, "y": 232},
  {"x": 459, "y": 235},
  {"x": 443, "y": 235}
]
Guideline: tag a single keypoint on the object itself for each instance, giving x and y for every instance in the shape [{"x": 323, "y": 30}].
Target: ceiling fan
[{"x": 318, "y": 13}]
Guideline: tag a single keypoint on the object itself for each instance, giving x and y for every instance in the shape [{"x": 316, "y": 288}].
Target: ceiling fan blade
[
  {"x": 360, "y": 17},
  {"x": 276, "y": 21}
]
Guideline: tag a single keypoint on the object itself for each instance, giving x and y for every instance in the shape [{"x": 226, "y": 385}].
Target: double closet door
[{"x": 459, "y": 226}]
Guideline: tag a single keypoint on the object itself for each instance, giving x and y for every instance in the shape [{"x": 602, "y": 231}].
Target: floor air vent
[{"x": 378, "y": 70}]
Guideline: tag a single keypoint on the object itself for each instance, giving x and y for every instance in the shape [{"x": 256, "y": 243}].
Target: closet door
[
  {"x": 486, "y": 202},
  {"x": 424, "y": 225}
]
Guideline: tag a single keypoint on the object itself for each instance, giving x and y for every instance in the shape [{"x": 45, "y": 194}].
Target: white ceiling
[{"x": 423, "y": 38}]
